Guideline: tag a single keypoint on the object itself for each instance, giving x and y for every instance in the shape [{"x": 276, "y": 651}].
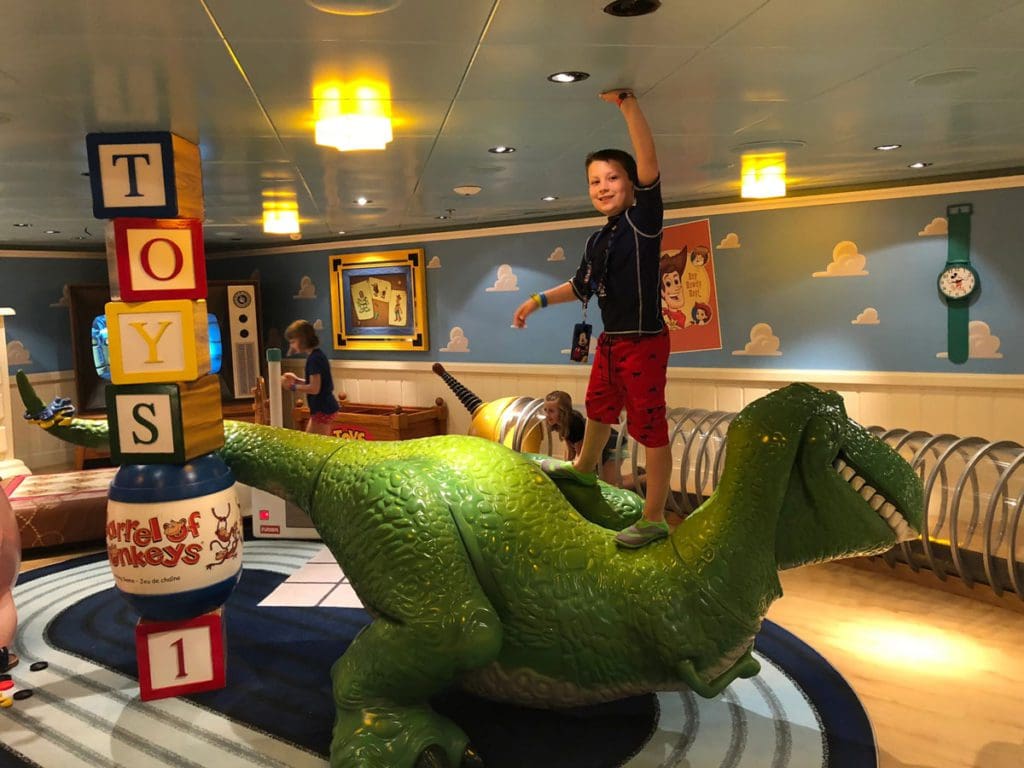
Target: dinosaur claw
[{"x": 434, "y": 757}]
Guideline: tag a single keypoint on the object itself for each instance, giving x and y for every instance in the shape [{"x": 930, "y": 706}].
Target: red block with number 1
[{"x": 179, "y": 657}]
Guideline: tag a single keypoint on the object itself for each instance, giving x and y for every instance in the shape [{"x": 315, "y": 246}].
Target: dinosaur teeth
[{"x": 876, "y": 501}]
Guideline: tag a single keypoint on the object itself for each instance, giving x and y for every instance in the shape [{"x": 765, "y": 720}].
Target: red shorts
[
  {"x": 321, "y": 418},
  {"x": 631, "y": 371}
]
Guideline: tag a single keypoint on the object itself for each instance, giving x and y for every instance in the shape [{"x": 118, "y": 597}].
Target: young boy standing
[{"x": 620, "y": 267}]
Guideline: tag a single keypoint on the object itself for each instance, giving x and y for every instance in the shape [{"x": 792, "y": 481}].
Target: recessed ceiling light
[
  {"x": 341, "y": 231},
  {"x": 52, "y": 231},
  {"x": 549, "y": 198},
  {"x": 918, "y": 165},
  {"x": 442, "y": 217},
  {"x": 467, "y": 190},
  {"x": 22, "y": 224},
  {"x": 568, "y": 77},
  {"x": 81, "y": 237},
  {"x": 888, "y": 147},
  {"x": 632, "y": 7},
  {"x": 362, "y": 201},
  {"x": 501, "y": 149}
]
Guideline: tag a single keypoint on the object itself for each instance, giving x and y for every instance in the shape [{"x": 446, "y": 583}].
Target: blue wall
[
  {"x": 767, "y": 279},
  {"x": 33, "y": 287}
]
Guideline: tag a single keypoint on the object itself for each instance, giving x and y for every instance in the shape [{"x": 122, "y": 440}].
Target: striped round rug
[{"x": 276, "y": 710}]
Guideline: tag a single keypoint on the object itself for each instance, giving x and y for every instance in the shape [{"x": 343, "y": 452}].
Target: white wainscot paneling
[{"x": 964, "y": 404}]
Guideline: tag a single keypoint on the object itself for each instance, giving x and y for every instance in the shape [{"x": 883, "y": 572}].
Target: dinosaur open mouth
[{"x": 885, "y": 508}]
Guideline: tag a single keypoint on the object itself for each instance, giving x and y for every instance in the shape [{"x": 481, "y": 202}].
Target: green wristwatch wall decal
[{"x": 958, "y": 281}]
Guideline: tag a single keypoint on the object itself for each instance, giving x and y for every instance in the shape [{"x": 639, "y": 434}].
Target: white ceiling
[{"x": 237, "y": 77}]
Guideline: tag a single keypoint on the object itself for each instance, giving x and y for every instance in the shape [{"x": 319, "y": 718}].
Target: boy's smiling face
[{"x": 611, "y": 191}]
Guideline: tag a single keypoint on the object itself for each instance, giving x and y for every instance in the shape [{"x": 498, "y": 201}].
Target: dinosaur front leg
[
  {"x": 432, "y": 619},
  {"x": 384, "y": 680}
]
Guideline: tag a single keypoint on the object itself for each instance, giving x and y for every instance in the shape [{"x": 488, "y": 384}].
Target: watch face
[{"x": 957, "y": 282}]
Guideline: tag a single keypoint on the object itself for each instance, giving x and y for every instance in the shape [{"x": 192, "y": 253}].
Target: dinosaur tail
[
  {"x": 284, "y": 462},
  {"x": 467, "y": 398},
  {"x": 58, "y": 418}
]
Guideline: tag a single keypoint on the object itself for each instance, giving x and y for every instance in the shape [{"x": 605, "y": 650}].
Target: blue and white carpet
[{"x": 276, "y": 710}]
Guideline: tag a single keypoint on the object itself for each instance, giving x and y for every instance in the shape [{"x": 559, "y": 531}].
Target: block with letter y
[
  {"x": 158, "y": 341},
  {"x": 164, "y": 423}
]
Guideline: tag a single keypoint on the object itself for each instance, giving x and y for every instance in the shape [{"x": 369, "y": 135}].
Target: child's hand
[
  {"x": 286, "y": 380},
  {"x": 616, "y": 95},
  {"x": 519, "y": 318}
]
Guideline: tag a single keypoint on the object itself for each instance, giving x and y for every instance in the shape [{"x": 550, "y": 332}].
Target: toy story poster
[{"x": 689, "y": 301}]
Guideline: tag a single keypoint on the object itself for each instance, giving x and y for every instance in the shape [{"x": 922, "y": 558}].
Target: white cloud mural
[
  {"x": 434, "y": 263},
  {"x": 318, "y": 324},
  {"x": 457, "y": 341},
  {"x": 557, "y": 255},
  {"x": 847, "y": 261},
  {"x": 982, "y": 343},
  {"x": 18, "y": 353},
  {"x": 731, "y": 240},
  {"x": 307, "y": 290},
  {"x": 763, "y": 343},
  {"x": 507, "y": 280},
  {"x": 868, "y": 317},
  {"x": 937, "y": 226}
]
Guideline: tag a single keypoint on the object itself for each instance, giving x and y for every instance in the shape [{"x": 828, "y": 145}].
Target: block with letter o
[
  {"x": 179, "y": 657},
  {"x": 151, "y": 259}
]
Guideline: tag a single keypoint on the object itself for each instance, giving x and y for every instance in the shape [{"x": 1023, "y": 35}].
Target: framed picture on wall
[{"x": 379, "y": 301}]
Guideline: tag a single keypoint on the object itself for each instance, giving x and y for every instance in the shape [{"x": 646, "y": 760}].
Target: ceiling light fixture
[
  {"x": 501, "y": 149},
  {"x": 280, "y": 212},
  {"x": 353, "y": 116},
  {"x": 568, "y": 77},
  {"x": 626, "y": 8},
  {"x": 549, "y": 198},
  {"x": 353, "y": 7},
  {"x": 467, "y": 190},
  {"x": 763, "y": 174},
  {"x": 362, "y": 201},
  {"x": 918, "y": 165},
  {"x": 888, "y": 147},
  {"x": 22, "y": 224}
]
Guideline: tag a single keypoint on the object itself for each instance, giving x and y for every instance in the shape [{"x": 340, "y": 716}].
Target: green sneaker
[
  {"x": 557, "y": 469},
  {"x": 640, "y": 534}
]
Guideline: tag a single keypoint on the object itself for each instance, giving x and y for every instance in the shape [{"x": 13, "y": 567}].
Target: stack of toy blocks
[{"x": 164, "y": 405}]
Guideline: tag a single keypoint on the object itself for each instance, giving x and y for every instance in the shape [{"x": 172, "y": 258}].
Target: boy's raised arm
[{"x": 639, "y": 133}]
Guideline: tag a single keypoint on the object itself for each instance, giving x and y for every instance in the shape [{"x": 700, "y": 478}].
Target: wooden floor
[{"x": 941, "y": 676}]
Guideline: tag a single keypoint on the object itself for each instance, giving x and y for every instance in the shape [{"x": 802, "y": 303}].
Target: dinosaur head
[{"x": 840, "y": 491}]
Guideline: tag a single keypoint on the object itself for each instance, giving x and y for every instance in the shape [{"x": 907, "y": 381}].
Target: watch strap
[
  {"x": 959, "y": 237},
  {"x": 957, "y": 334}
]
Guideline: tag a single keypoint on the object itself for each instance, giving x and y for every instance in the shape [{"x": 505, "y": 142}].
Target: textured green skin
[{"x": 473, "y": 564}]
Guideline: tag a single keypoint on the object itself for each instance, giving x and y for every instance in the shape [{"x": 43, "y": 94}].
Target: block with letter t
[
  {"x": 158, "y": 341},
  {"x": 149, "y": 259},
  {"x": 180, "y": 657},
  {"x": 151, "y": 173},
  {"x": 164, "y": 423}
]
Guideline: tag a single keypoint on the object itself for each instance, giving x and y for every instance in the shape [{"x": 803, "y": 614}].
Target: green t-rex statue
[{"x": 478, "y": 572}]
